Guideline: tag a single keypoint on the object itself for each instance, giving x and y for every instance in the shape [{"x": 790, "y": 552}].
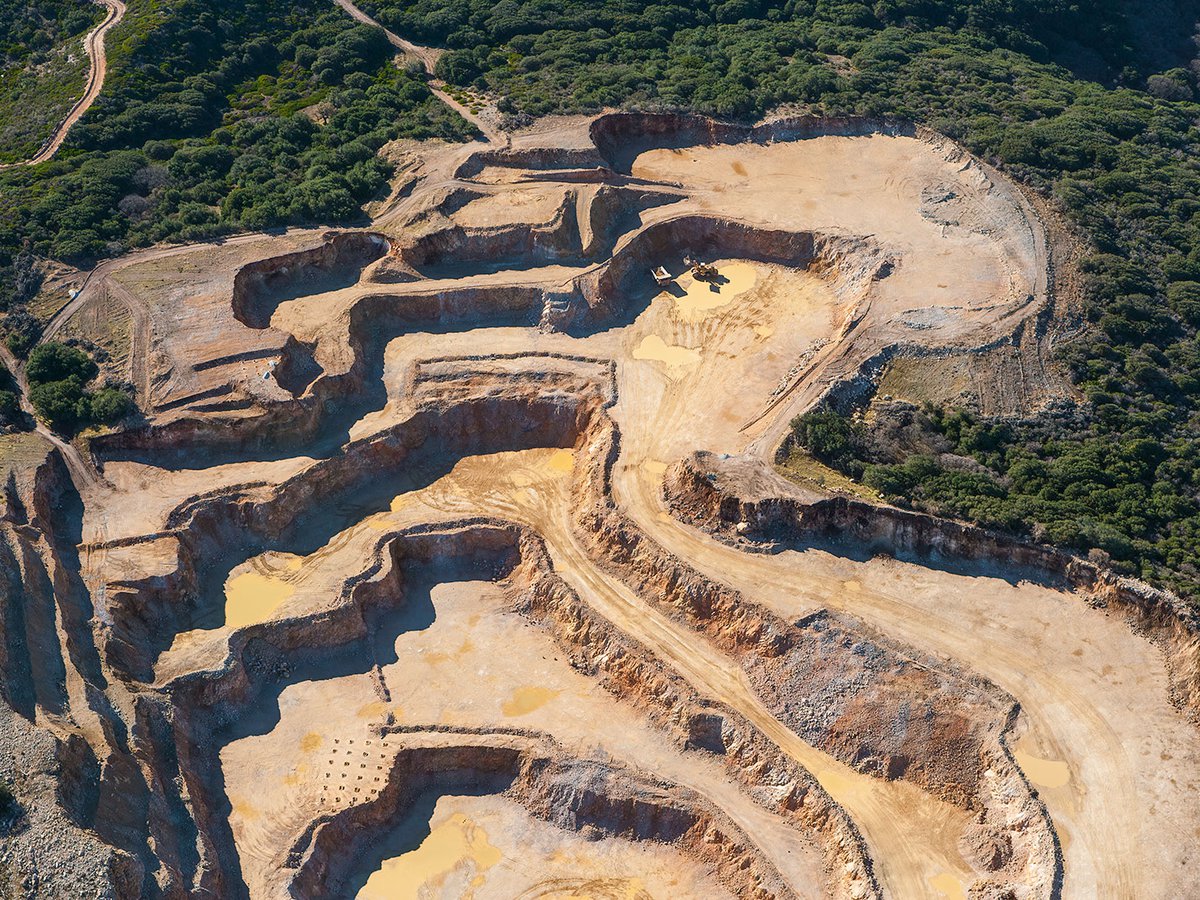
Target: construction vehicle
[
  {"x": 701, "y": 271},
  {"x": 661, "y": 276}
]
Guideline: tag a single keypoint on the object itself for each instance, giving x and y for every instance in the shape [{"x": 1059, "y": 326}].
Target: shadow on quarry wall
[
  {"x": 594, "y": 797},
  {"x": 302, "y": 514},
  {"x": 621, "y": 137},
  {"x": 877, "y": 705},
  {"x": 318, "y": 423},
  {"x": 347, "y": 874},
  {"x": 356, "y": 639},
  {"x": 777, "y": 515},
  {"x": 47, "y": 619},
  {"x": 259, "y": 287},
  {"x": 618, "y": 291},
  {"x": 459, "y": 252},
  {"x": 358, "y": 636}
]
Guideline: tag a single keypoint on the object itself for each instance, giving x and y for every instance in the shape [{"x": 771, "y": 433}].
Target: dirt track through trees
[
  {"x": 93, "y": 44},
  {"x": 427, "y": 57}
]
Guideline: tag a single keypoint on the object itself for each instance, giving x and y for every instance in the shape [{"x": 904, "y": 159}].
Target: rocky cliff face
[
  {"x": 631, "y": 672},
  {"x": 841, "y": 688},
  {"x": 746, "y": 502},
  {"x": 597, "y": 798},
  {"x": 259, "y": 287},
  {"x": 621, "y": 137},
  {"x": 61, "y": 837},
  {"x": 610, "y": 290}
]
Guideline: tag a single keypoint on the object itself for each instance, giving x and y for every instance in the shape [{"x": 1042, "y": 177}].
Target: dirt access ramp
[{"x": 407, "y": 488}]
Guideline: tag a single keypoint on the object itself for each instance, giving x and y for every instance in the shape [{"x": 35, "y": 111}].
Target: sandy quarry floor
[{"x": 720, "y": 367}]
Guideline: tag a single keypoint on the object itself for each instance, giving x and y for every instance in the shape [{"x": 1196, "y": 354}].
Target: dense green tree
[
  {"x": 58, "y": 362},
  {"x": 63, "y": 405},
  {"x": 110, "y": 405}
]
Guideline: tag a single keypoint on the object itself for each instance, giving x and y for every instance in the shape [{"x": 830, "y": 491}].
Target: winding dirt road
[
  {"x": 428, "y": 57},
  {"x": 94, "y": 45}
]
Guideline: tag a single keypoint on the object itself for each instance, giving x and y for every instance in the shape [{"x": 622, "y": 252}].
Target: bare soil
[{"x": 413, "y": 580}]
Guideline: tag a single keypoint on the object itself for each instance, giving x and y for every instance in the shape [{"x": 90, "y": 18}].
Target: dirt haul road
[
  {"x": 93, "y": 44},
  {"x": 312, "y": 395},
  {"x": 912, "y": 836},
  {"x": 428, "y": 57}
]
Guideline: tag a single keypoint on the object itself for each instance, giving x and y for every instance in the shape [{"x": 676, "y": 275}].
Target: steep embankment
[{"x": 757, "y": 508}]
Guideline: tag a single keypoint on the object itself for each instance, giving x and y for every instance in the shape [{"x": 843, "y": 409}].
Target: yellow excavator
[{"x": 701, "y": 271}]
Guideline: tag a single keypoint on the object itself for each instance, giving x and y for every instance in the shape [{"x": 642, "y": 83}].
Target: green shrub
[
  {"x": 10, "y": 408},
  {"x": 18, "y": 343},
  {"x": 110, "y": 405},
  {"x": 58, "y": 377},
  {"x": 57, "y": 362},
  {"x": 829, "y": 437},
  {"x": 63, "y": 405},
  {"x": 8, "y": 800}
]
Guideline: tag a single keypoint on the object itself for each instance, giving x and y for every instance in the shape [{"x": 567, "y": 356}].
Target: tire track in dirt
[
  {"x": 1103, "y": 810},
  {"x": 887, "y": 812}
]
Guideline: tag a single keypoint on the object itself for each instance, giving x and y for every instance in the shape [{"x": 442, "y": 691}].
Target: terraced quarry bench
[{"x": 450, "y": 556}]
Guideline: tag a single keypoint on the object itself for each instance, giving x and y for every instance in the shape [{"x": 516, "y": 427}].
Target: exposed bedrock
[
  {"x": 634, "y": 674},
  {"x": 332, "y": 384},
  {"x": 198, "y": 713},
  {"x": 615, "y": 211},
  {"x": 45, "y": 851},
  {"x": 458, "y": 251},
  {"x": 812, "y": 672},
  {"x": 621, "y": 137},
  {"x": 332, "y": 394},
  {"x": 53, "y": 672},
  {"x": 211, "y": 534},
  {"x": 598, "y": 798},
  {"x": 31, "y": 652},
  {"x": 745, "y": 501},
  {"x": 208, "y": 709},
  {"x": 886, "y": 710},
  {"x": 533, "y": 158},
  {"x": 613, "y": 290},
  {"x": 259, "y": 287}
]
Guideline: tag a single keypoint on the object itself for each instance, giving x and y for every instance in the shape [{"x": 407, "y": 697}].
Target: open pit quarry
[{"x": 450, "y": 559}]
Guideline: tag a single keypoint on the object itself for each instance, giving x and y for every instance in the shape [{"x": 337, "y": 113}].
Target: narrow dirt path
[
  {"x": 94, "y": 45},
  {"x": 139, "y": 339},
  {"x": 82, "y": 473},
  {"x": 428, "y": 57}
]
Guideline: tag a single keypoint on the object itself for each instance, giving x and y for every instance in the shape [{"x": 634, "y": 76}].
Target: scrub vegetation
[
  {"x": 58, "y": 377},
  {"x": 225, "y": 118},
  {"x": 42, "y": 68},
  {"x": 219, "y": 118}
]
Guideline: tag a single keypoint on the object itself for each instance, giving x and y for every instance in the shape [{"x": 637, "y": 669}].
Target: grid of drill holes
[{"x": 354, "y": 769}]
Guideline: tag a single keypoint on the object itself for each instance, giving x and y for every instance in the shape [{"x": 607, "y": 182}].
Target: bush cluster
[
  {"x": 58, "y": 377},
  {"x": 217, "y": 118}
]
